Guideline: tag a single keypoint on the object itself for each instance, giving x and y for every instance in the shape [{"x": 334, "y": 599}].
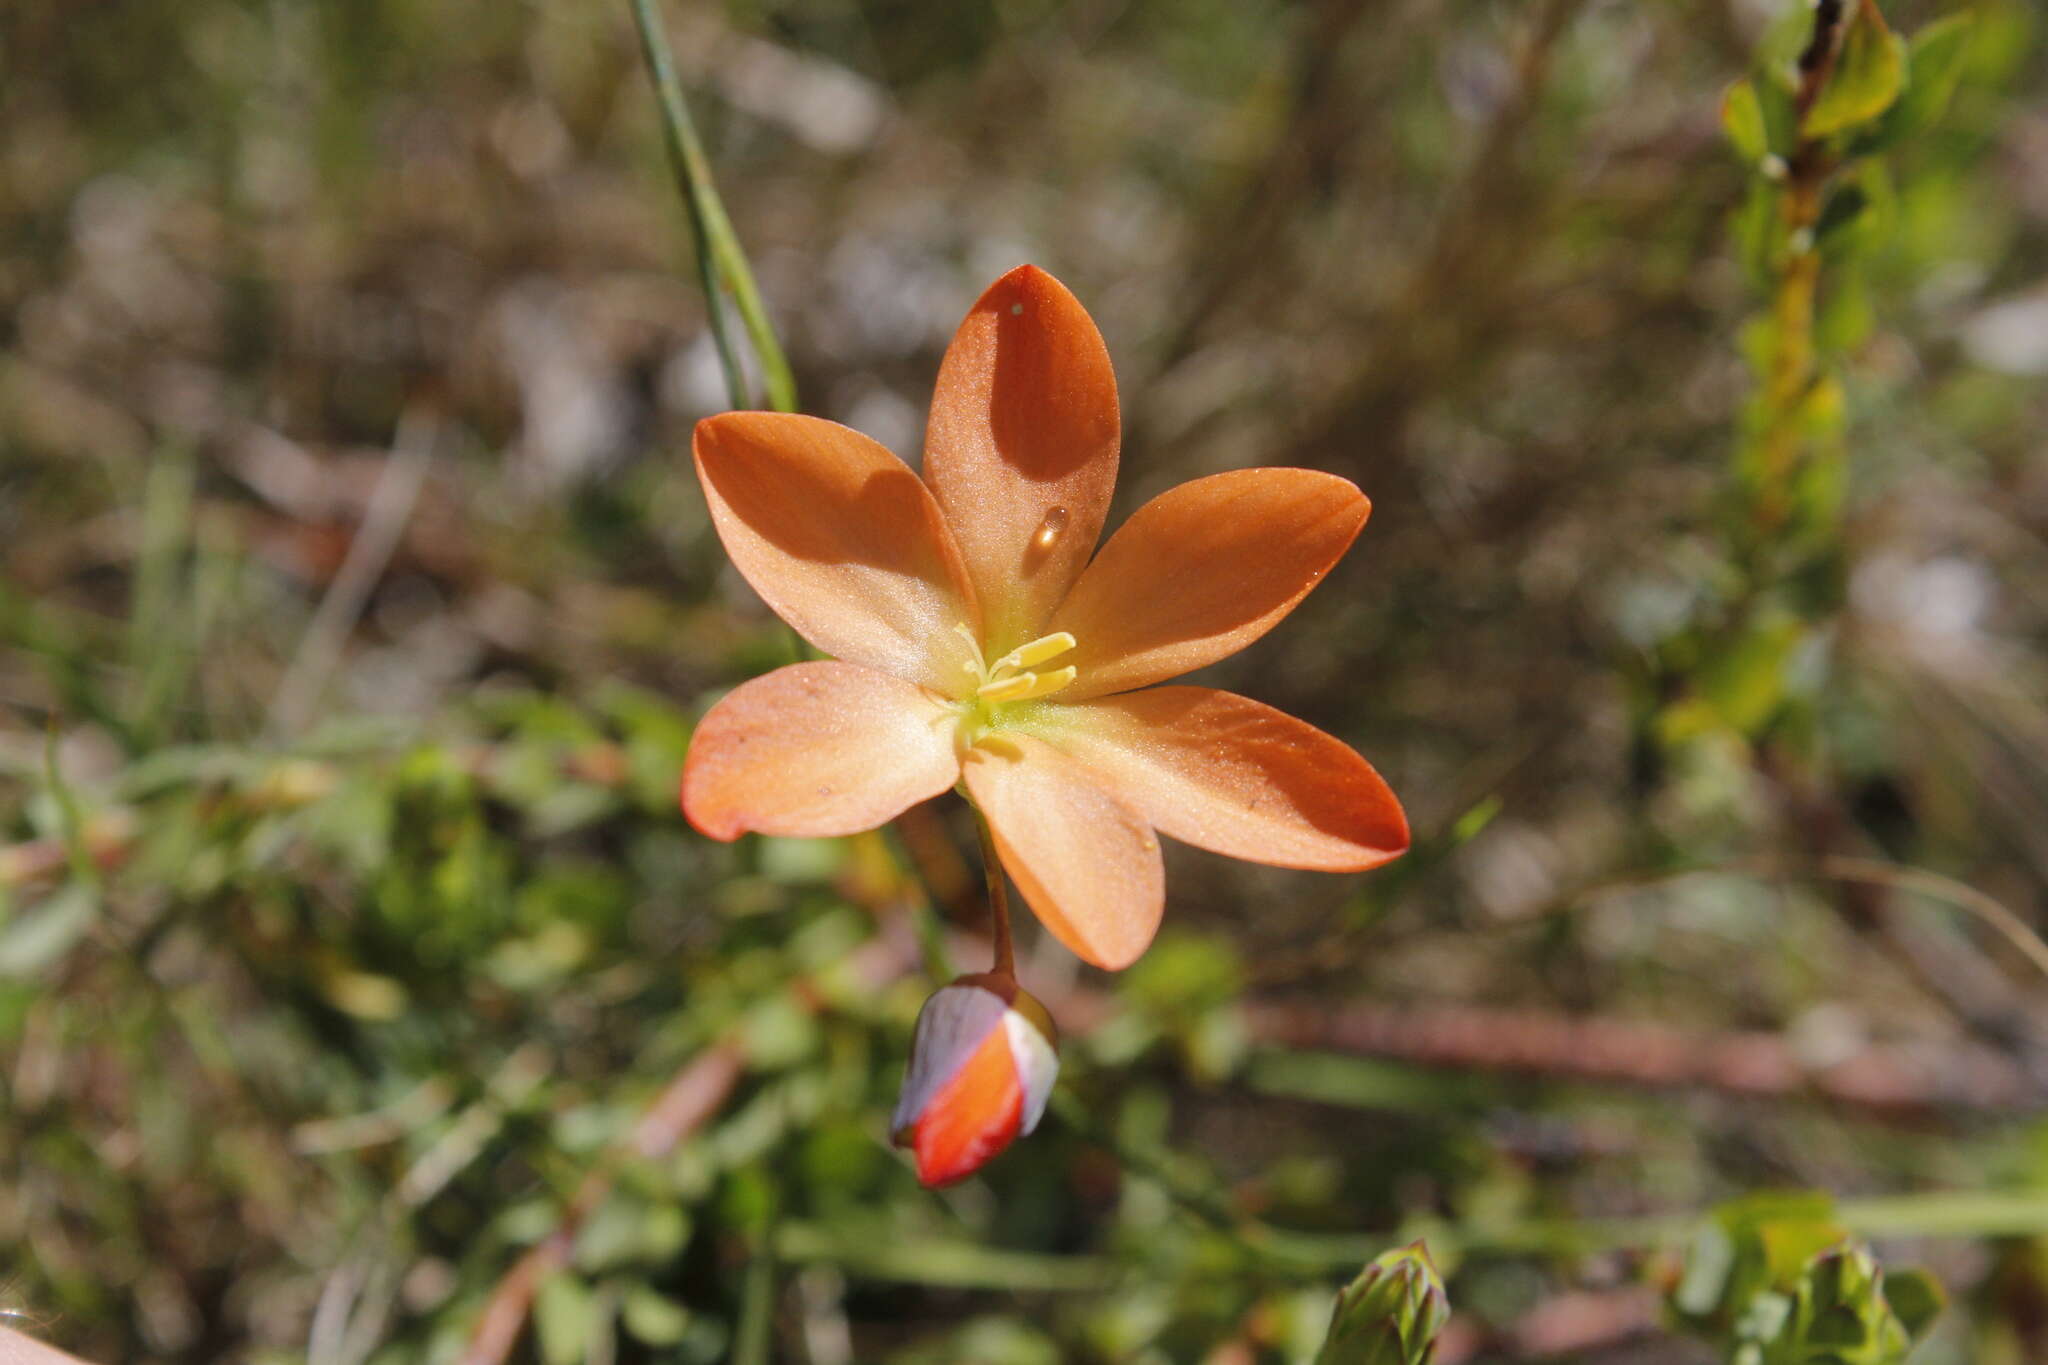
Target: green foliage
[
  {"x": 1775, "y": 1280},
  {"x": 1934, "y": 66},
  {"x": 1869, "y": 73},
  {"x": 1742, "y": 118},
  {"x": 1818, "y": 210}
]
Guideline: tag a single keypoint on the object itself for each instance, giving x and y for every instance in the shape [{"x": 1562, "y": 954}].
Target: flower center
[{"x": 1013, "y": 677}]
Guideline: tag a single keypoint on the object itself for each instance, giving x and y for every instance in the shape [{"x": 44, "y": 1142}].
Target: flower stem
[
  {"x": 998, "y": 898},
  {"x": 720, "y": 257}
]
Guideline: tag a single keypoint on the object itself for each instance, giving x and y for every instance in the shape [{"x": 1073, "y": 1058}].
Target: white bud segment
[{"x": 1038, "y": 1066}]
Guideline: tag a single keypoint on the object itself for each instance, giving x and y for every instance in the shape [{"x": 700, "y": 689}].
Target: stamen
[
  {"x": 978, "y": 667},
  {"x": 1025, "y": 686},
  {"x": 1037, "y": 652}
]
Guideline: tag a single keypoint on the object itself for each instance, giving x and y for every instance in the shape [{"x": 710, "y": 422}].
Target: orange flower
[{"x": 977, "y": 644}]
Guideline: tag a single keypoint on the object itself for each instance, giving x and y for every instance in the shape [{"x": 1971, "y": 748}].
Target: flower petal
[
  {"x": 815, "y": 750},
  {"x": 1226, "y": 773},
  {"x": 973, "y": 1116},
  {"x": 841, "y": 539},
  {"x": 955, "y": 1021},
  {"x": 1022, "y": 448},
  {"x": 1087, "y": 863},
  {"x": 1203, "y": 570}
]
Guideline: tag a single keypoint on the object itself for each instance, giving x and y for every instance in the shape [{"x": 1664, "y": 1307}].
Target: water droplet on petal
[{"x": 1049, "y": 530}]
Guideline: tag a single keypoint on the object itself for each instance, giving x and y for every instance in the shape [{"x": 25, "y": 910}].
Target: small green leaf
[
  {"x": 1709, "y": 1260},
  {"x": 1916, "y": 1298},
  {"x": 1934, "y": 67},
  {"x": 654, "y": 1318},
  {"x": 1841, "y": 210},
  {"x": 1846, "y": 313},
  {"x": 1760, "y": 231},
  {"x": 1858, "y": 216},
  {"x": 610, "y": 1238},
  {"x": 563, "y": 1315},
  {"x": 1764, "y": 1317},
  {"x": 1746, "y": 684},
  {"x": 1868, "y": 75},
  {"x": 35, "y": 940},
  {"x": 1476, "y": 819},
  {"x": 1742, "y": 117},
  {"x": 1774, "y": 98}
]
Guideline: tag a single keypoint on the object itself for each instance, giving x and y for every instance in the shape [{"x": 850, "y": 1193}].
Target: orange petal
[
  {"x": 817, "y": 749},
  {"x": 972, "y": 1117},
  {"x": 1022, "y": 448},
  {"x": 1203, "y": 570},
  {"x": 841, "y": 539},
  {"x": 1230, "y": 774},
  {"x": 1086, "y": 862}
]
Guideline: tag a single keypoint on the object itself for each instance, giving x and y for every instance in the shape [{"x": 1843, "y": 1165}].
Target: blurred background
[{"x": 363, "y": 994}]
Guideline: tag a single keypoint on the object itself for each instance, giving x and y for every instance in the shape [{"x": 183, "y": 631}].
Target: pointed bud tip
[{"x": 1392, "y": 1312}]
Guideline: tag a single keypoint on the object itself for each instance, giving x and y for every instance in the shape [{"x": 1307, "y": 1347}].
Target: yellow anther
[
  {"x": 1025, "y": 686},
  {"x": 1037, "y": 652},
  {"x": 1008, "y": 689}
]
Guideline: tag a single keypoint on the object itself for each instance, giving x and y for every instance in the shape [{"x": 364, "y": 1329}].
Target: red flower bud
[{"x": 982, "y": 1064}]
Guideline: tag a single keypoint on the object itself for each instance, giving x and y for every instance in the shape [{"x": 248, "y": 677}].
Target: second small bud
[{"x": 983, "y": 1059}]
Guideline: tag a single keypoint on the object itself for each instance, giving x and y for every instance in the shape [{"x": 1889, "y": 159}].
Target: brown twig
[
  {"x": 1885, "y": 1079},
  {"x": 398, "y": 487},
  {"x": 1817, "y": 59}
]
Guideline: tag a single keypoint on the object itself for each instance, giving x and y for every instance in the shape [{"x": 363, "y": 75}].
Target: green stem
[
  {"x": 680, "y": 136},
  {"x": 945, "y": 1262},
  {"x": 998, "y": 897},
  {"x": 754, "y": 1342},
  {"x": 70, "y": 823},
  {"x": 720, "y": 257},
  {"x": 1793, "y": 367},
  {"x": 1313, "y": 1256}
]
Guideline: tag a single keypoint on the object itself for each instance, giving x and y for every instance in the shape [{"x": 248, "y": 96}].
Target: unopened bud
[
  {"x": 1391, "y": 1314},
  {"x": 982, "y": 1063}
]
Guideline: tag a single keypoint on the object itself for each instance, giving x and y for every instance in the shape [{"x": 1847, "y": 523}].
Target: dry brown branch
[
  {"x": 1887, "y": 1079},
  {"x": 312, "y": 668}
]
